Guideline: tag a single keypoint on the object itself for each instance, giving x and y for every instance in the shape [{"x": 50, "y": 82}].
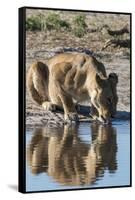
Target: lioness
[{"x": 73, "y": 76}]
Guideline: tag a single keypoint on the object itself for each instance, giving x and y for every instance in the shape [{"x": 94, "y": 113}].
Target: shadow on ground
[{"x": 85, "y": 110}]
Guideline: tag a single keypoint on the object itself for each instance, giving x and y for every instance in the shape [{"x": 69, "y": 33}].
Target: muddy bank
[{"x": 39, "y": 118}]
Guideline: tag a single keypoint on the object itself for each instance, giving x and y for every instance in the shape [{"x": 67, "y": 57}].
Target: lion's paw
[
  {"x": 48, "y": 106},
  {"x": 71, "y": 117}
]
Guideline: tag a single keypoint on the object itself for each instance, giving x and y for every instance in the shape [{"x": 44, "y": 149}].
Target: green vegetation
[
  {"x": 53, "y": 21},
  {"x": 80, "y": 21},
  {"x": 79, "y": 32},
  {"x": 42, "y": 23},
  {"x": 80, "y": 26},
  {"x": 34, "y": 23}
]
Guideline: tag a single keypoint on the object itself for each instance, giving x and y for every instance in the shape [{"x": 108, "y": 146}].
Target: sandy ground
[{"x": 42, "y": 45}]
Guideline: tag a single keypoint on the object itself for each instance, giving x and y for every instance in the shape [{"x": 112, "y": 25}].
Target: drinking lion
[{"x": 74, "y": 76}]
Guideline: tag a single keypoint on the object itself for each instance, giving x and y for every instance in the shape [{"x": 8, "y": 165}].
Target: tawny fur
[{"x": 73, "y": 76}]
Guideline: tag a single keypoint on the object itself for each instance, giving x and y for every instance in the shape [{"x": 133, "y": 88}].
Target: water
[{"x": 78, "y": 156}]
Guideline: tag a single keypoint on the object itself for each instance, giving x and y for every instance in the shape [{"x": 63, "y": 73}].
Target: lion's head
[{"x": 107, "y": 96}]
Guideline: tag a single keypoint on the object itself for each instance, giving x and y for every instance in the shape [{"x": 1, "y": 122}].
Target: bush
[
  {"x": 65, "y": 25},
  {"x": 80, "y": 21},
  {"x": 34, "y": 23},
  {"x": 54, "y": 22},
  {"x": 79, "y": 26},
  {"x": 79, "y": 32},
  {"x": 51, "y": 22}
]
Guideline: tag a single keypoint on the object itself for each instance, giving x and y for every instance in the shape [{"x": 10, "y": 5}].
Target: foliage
[
  {"x": 34, "y": 23},
  {"x": 79, "y": 32},
  {"x": 80, "y": 26},
  {"x": 80, "y": 21},
  {"x": 51, "y": 22}
]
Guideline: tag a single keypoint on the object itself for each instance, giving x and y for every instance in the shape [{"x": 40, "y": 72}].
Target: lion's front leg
[
  {"x": 97, "y": 111},
  {"x": 70, "y": 113},
  {"x": 48, "y": 106},
  {"x": 70, "y": 117},
  {"x": 94, "y": 113}
]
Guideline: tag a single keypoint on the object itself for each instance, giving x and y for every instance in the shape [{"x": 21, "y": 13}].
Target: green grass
[
  {"x": 34, "y": 23},
  {"x": 80, "y": 26},
  {"x": 79, "y": 32},
  {"x": 42, "y": 23},
  {"x": 53, "y": 21},
  {"x": 80, "y": 21}
]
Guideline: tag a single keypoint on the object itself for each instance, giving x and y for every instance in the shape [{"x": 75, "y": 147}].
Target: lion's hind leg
[{"x": 37, "y": 83}]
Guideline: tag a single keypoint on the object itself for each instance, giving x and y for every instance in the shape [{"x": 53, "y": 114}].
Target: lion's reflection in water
[{"x": 63, "y": 155}]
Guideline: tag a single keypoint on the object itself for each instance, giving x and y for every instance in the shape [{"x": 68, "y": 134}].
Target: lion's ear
[
  {"x": 113, "y": 77},
  {"x": 100, "y": 81}
]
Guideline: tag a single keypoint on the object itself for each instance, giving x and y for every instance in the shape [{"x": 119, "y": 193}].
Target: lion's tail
[{"x": 37, "y": 82}]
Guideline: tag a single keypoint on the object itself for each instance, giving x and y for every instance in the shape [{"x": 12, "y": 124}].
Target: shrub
[
  {"x": 80, "y": 21},
  {"x": 80, "y": 26},
  {"x": 79, "y": 32},
  {"x": 65, "y": 25},
  {"x": 34, "y": 23},
  {"x": 51, "y": 22},
  {"x": 54, "y": 22}
]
